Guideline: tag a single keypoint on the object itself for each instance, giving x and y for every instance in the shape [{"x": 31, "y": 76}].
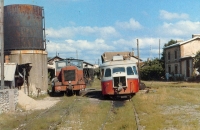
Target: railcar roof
[{"x": 113, "y": 63}]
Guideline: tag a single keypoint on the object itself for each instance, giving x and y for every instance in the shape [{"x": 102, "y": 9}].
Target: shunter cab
[
  {"x": 69, "y": 76},
  {"x": 119, "y": 78}
]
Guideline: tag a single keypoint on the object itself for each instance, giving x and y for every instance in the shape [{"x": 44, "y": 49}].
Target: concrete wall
[
  {"x": 8, "y": 100},
  {"x": 38, "y": 76},
  {"x": 190, "y": 48},
  {"x": 172, "y": 61}
]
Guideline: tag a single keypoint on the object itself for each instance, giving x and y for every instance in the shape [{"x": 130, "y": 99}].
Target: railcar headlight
[{"x": 69, "y": 82}]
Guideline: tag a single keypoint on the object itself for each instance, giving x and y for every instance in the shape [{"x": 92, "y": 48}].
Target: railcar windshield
[
  {"x": 135, "y": 70},
  {"x": 129, "y": 70},
  {"x": 118, "y": 69}
]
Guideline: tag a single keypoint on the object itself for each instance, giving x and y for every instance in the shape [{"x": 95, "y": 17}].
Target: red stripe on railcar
[
  {"x": 107, "y": 87},
  {"x": 132, "y": 87}
]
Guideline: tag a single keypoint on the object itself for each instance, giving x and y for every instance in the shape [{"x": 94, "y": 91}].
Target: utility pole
[
  {"x": 132, "y": 51},
  {"x": 2, "y": 42},
  {"x": 159, "y": 49},
  {"x": 76, "y": 54},
  {"x": 138, "y": 54},
  {"x": 150, "y": 52}
]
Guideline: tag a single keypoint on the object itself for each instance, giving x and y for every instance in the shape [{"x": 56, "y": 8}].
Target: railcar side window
[
  {"x": 118, "y": 69},
  {"x": 102, "y": 73},
  {"x": 134, "y": 69},
  {"x": 108, "y": 72},
  {"x": 129, "y": 71}
]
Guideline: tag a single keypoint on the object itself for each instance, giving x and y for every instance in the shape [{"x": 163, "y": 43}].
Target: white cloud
[
  {"x": 181, "y": 28},
  {"x": 169, "y": 16},
  {"x": 84, "y": 47},
  {"x": 71, "y": 32},
  {"x": 131, "y": 25},
  {"x": 144, "y": 42}
]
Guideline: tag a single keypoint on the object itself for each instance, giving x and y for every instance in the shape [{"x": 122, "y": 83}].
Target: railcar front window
[
  {"x": 118, "y": 69},
  {"x": 108, "y": 73},
  {"x": 135, "y": 70},
  {"x": 129, "y": 71}
]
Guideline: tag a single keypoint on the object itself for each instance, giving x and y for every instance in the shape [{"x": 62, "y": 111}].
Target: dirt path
[{"x": 29, "y": 103}]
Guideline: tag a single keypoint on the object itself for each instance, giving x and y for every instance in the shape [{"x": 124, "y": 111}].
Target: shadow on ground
[{"x": 92, "y": 93}]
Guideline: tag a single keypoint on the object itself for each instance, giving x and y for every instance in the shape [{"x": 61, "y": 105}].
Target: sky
[{"x": 85, "y": 29}]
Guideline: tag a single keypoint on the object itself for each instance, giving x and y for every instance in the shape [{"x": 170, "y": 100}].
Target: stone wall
[{"x": 8, "y": 100}]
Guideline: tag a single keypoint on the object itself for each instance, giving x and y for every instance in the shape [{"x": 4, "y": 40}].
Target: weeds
[{"x": 168, "y": 105}]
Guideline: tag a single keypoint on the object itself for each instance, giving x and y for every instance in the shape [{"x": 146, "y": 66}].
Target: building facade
[{"x": 179, "y": 57}]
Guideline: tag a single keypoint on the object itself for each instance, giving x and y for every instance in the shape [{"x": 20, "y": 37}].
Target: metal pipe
[
  {"x": 44, "y": 34},
  {"x": 24, "y": 72},
  {"x": 2, "y": 42}
]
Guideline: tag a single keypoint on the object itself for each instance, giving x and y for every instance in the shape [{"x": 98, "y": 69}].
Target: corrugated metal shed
[{"x": 9, "y": 71}]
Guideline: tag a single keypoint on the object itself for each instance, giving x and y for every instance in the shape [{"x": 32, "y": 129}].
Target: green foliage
[
  {"x": 170, "y": 43},
  {"x": 197, "y": 61},
  {"x": 152, "y": 70}
]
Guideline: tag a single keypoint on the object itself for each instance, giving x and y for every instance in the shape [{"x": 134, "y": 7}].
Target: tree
[
  {"x": 152, "y": 70},
  {"x": 155, "y": 69},
  {"x": 170, "y": 43},
  {"x": 197, "y": 61}
]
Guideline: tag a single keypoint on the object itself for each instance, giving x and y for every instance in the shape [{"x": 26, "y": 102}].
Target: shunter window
[
  {"x": 108, "y": 72},
  {"x": 129, "y": 71},
  {"x": 135, "y": 70}
]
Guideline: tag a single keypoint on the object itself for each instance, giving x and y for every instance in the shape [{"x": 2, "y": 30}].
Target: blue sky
[{"x": 91, "y": 27}]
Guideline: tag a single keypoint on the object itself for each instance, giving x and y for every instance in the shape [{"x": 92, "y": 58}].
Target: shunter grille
[
  {"x": 119, "y": 80},
  {"x": 69, "y": 75}
]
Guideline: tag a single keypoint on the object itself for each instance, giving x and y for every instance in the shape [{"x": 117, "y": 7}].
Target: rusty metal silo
[
  {"x": 23, "y": 27},
  {"x": 24, "y": 41}
]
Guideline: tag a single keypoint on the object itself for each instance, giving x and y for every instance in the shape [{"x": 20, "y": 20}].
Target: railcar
[
  {"x": 69, "y": 76},
  {"x": 119, "y": 78}
]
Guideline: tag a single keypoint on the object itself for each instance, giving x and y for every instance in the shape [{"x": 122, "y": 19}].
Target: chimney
[{"x": 195, "y": 35}]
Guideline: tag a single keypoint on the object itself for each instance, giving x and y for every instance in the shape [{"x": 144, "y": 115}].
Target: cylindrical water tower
[{"x": 24, "y": 41}]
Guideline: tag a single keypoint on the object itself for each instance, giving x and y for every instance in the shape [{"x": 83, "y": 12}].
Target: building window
[
  {"x": 168, "y": 55},
  {"x": 169, "y": 69},
  {"x": 176, "y": 69},
  {"x": 175, "y": 54}
]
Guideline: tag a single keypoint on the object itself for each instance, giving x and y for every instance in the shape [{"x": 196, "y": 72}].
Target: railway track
[
  {"x": 44, "y": 114},
  {"x": 117, "y": 104},
  {"x": 68, "y": 114},
  {"x": 139, "y": 127}
]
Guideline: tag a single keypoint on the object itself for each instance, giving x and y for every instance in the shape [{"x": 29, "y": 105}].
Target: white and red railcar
[{"x": 119, "y": 78}]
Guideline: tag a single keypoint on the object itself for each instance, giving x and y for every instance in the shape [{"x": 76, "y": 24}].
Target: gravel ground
[{"x": 29, "y": 103}]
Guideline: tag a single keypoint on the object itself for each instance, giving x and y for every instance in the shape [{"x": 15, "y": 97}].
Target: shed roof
[{"x": 55, "y": 57}]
